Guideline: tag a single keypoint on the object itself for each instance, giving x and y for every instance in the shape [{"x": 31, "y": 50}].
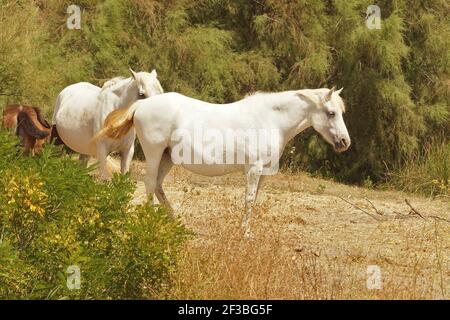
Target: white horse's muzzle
[{"x": 342, "y": 144}]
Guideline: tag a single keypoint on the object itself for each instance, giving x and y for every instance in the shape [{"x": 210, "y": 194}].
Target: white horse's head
[
  {"x": 147, "y": 83},
  {"x": 327, "y": 116}
]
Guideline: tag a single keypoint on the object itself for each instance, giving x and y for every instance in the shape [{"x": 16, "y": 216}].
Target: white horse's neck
[
  {"x": 126, "y": 91},
  {"x": 119, "y": 95},
  {"x": 286, "y": 110}
]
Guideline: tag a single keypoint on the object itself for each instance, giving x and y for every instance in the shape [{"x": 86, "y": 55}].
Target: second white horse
[{"x": 81, "y": 109}]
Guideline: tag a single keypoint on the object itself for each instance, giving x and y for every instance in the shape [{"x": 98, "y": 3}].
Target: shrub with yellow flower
[{"x": 25, "y": 204}]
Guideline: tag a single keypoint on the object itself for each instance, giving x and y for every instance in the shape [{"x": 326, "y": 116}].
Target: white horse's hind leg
[
  {"x": 164, "y": 168},
  {"x": 151, "y": 177},
  {"x": 102, "y": 154},
  {"x": 125, "y": 159},
  {"x": 253, "y": 178}
]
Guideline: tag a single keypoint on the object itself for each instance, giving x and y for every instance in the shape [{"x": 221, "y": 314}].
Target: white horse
[
  {"x": 161, "y": 121},
  {"x": 81, "y": 109}
]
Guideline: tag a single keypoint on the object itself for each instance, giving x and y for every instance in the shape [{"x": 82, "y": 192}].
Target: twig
[
  {"x": 413, "y": 210},
  {"x": 1, "y": 235},
  {"x": 374, "y": 208},
  {"x": 439, "y": 218},
  {"x": 10, "y": 95},
  {"x": 441, "y": 196},
  {"x": 400, "y": 215},
  {"x": 354, "y": 205}
]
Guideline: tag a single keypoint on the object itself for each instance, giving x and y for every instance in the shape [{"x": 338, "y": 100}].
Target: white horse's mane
[
  {"x": 261, "y": 94},
  {"x": 253, "y": 93},
  {"x": 113, "y": 81}
]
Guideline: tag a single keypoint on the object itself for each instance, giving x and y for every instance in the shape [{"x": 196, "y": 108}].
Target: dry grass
[{"x": 308, "y": 243}]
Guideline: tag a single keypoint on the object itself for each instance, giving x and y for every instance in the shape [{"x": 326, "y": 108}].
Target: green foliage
[
  {"x": 427, "y": 173},
  {"x": 428, "y": 67},
  {"x": 53, "y": 214},
  {"x": 294, "y": 34},
  {"x": 384, "y": 118},
  {"x": 396, "y": 80}
]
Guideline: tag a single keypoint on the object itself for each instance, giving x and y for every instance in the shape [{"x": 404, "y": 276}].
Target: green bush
[
  {"x": 53, "y": 214},
  {"x": 427, "y": 173}
]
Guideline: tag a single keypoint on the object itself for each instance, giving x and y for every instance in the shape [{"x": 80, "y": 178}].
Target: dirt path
[{"x": 302, "y": 218}]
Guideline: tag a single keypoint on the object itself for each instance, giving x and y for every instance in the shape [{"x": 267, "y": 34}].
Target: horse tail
[
  {"x": 41, "y": 118},
  {"x": 54, "y": 136},
  {"x": 24, "y": 120},
  {"x": 117, "y": 123}
]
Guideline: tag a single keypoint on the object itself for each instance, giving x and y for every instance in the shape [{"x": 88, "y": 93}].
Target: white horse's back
[{"x": 187, "y": 112}]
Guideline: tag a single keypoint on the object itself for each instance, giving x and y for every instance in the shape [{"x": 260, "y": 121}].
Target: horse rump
[{"x": 9, "y": 120}]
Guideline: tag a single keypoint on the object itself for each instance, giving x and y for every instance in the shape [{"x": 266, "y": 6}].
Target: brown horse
[{"x": 29, "y": 125}]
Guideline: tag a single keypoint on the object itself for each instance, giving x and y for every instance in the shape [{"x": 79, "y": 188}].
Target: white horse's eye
[{"x": 331, "y": 114}]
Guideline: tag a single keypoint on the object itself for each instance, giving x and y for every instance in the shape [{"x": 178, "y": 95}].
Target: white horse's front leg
[
  {"x": 102, "y": 154},
  {"x": 125, "y": 159},
  {"x": 253, "y": 178},
  {"x": 84, "y": 159}
]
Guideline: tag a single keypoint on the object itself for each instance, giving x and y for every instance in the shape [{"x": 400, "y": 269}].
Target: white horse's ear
[
  {"x": 330, "y": 94},
  {"x": 154, "y": 73},
  {"x": 133, "y": 73},
  {"x": 308, "y": 95},
  {"x": 339, "y": 91}
]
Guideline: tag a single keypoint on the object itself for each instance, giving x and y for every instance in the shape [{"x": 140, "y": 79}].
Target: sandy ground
[{"x": 345, "y": 229}]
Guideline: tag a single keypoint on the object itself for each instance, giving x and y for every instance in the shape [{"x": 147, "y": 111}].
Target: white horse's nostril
[
  {"x": 337, "y": 145},
  {"x": 341, "y": 144}
]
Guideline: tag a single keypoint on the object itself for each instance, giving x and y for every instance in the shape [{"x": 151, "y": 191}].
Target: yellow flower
[{"x": 41, "y": 212}]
